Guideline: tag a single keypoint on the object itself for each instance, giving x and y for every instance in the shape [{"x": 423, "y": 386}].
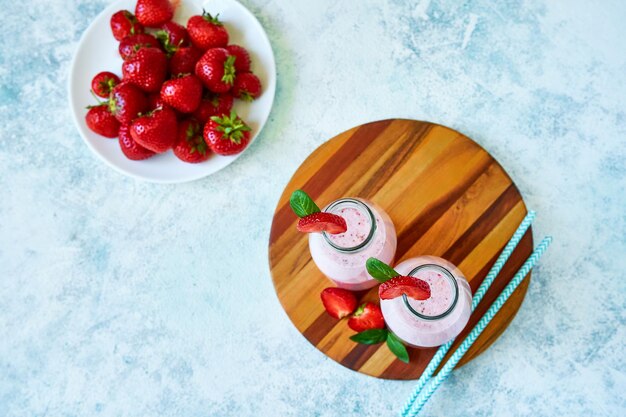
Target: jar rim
[
  {"x": 364, "y": 208},
  {"x": 455, "y": 286}
]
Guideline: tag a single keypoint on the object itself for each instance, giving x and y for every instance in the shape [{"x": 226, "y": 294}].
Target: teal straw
[
  {"x": 434, "y": 383},
  {"x": 480, "y": 292}
]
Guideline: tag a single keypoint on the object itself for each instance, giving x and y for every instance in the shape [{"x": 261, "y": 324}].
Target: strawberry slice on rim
[
  {"x": 413, "y": 287},
  {"x": 322, "y": 222}
]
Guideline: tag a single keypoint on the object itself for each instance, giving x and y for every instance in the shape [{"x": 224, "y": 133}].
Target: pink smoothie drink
[
  {"x": 438, "y": 319},
  {"x": 342, "y": 257}
]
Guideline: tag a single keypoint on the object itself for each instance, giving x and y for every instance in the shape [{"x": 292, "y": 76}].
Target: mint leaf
[
  {"x": 302, "y": 204},
  {"x": 379, "y": 270},
  {"x": 370, "y": 337},
  {"x": 397, "y": 347}
]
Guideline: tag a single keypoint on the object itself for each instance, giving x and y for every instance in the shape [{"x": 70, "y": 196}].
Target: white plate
[{"x": 97, "y": 51}]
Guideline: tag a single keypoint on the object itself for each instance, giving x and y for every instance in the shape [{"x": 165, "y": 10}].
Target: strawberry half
[
  {"x": 413, "y": 287},
  {"x": 338, "y": 302},
  {"x": 367, "y": 316},
  {"x": 322, "y": 222}
]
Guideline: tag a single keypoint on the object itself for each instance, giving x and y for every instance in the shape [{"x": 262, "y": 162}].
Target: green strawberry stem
[
  {"x": 232, "y": 127},
  {"x": 246, "y": 96},
  {"x": 97, "y": 99},
  {"x": 195, "y": 140},
  {"x": 229, "y": 70},
  {"x": 302, "y": 204},
  {"x": 207, "y": 16},
  {"x": 379, "y": 270},
  {"x": 164, "y": 38}
]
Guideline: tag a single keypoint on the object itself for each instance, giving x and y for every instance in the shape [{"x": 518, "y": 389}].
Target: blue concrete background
[{"x": 123, "y": 298}]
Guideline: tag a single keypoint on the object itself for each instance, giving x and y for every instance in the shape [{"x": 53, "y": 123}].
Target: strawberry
[
  {"x": 124, "y": 23},
  {"x": 156, "y": 130},
  {"x": 146, "y": 69},
  {"x": 322, "y": 222},
  {"x": 413, "y": 287},
  {"x": 100, "y": 120},
  {"x": 153, "y": 13},
  {"x": 191, "y": 146},
  {"x": 130, "y": 148},
  {"x": 184, "y": 60},
  {"x": 213, "y": 105},
  {"x": 126, "y": 102},
  {"x": 338, "y": 302},
  {"x": 367, "y": 316},
  {"x": 227, "y": 135},
  {"x": 172, "y": 37},
  {"x": 207, "y": 31},
  {"x": 216, "y": 70},
  {"x": 242, "y": 57},
  {"x": 182, "y": 93},
  {"x": 103, "y": 83},
  {"x": 247, "y": 86},
  {"x": 131, "y": 44},
  {"x": 155, "y": 101}
]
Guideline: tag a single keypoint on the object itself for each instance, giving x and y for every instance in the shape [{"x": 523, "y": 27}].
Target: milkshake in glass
[
  {"x": 438, "y": 319},
  {"x": 341, "y": 257}
]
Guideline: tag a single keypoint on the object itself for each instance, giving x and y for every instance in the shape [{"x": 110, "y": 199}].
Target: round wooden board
[{"x": 446, "y": 196}]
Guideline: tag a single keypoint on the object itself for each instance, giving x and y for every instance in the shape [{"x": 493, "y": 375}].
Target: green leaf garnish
[
  {"x": 302, "y": 204},
  {"x": 397, "y": 347},
  {"x": 371, "y": 337},
  {"x": 379, "y": 270}
]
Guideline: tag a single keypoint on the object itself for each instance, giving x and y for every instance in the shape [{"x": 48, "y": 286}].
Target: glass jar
[
  {"x": 341, "y": 257},
  {"x": 440, "y": 318}
]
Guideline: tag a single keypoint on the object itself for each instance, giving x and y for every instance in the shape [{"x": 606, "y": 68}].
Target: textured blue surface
[{"x": 124, "y": 298}]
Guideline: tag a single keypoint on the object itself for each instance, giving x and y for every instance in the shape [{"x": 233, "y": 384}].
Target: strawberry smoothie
[
  {"x": 438, "y": 319},
  {"x": 341, "y": 257}
]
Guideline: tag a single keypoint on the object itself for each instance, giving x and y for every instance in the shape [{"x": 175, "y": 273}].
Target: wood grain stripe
[{"x": 357, "y": 142}]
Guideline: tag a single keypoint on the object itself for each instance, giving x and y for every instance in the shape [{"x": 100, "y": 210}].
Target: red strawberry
[
  {"x": 184, "y": 60},
  {"x": 153, "y": 13},
  {"x": 130, "y": 148},
  {"x": 130, "y": 45},
  {"x": 126, "y": 102},
  {"x": 183, "y": 93},
  {"x": 247, "y": 86},
  {"x": 216, "y": 70},
  {"x": 242, "y": 57},
  {"x": 124, "y": 23},
  {"x": 322, "y": 222},
  {"x": 227, "y": 135},
  {"x": 146, "y": 69},
  {"x": 338, "y": 302},
  {"x": 103, "y": 83},
  {"x": 207, "y": 31},
  {"x": 413, "y": 287},
  {"x": 154, "y": 101},
  {"x": 367, "y": 316},
  {"x": 213, "y": 105},
  {"x": 100, "y": 120},
  {"x": 156, "y": 131},
  {"x": 191, "y": 146},
  {"x": 172, "y": 37}
]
